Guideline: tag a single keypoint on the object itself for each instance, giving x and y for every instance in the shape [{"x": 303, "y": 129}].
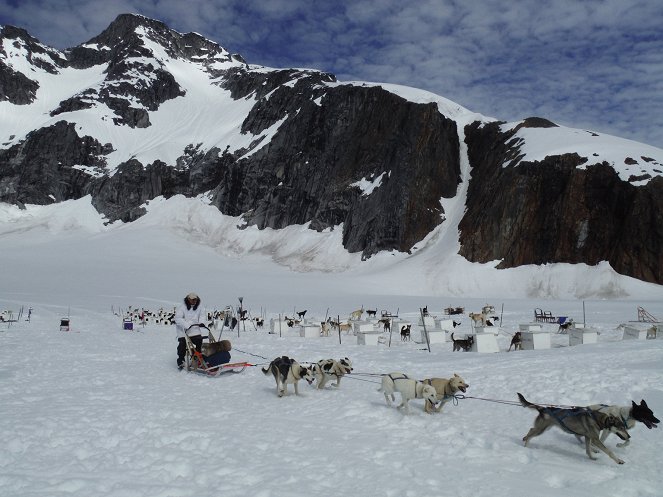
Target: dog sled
[
  {"x": 542, "y": 316},
  {"x": 214, "y": 358}
]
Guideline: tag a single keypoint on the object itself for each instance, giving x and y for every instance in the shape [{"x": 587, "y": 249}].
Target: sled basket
[{"x": 213, "y": 360}]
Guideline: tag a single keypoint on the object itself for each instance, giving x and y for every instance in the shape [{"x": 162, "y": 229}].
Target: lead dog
[
  {"x": 409, "y": 389},
  {"x": 286, "y": 370},
  {"x": 579, "y": 421},
  {"x": 628, "y": 416},
  {"x": 328, "y": 369},
  {"x": 445, "y": 390}
]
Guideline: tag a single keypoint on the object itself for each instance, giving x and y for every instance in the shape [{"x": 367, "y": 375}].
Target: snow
[
  {"x": 538, "y": 143},
  {"x": 368, "y": 185},
  {"x": 103, "y": 411}
]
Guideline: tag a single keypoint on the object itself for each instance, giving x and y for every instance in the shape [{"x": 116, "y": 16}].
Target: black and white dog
[
  {"x": 286, "y": 370},
  {"x": 328, "y": 369},
  {"x": 628, "y": 415},
  {"x": 464, "y": 344}
]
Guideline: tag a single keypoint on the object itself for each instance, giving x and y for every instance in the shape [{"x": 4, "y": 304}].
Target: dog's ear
[{"x": 643, "y": 403}]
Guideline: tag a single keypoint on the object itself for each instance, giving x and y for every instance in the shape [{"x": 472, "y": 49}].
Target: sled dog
[
  {"x": 409, "y": 389},
  {"x": 445, "y": 390},
  {"x": 516, "y": 342},
  {"x": 579, "y": 421},
  {"x": 628, "y": 416},
  {"x": 286, "y": 370},
  {"x": 328, "y": 369},
  {"x": 465, "y": 344}
]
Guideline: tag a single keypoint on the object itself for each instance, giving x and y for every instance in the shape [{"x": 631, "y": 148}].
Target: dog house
[
  {"x": 281, "y": 327},
  {"x": 428, "y": 321},
  {"x": 634, "y": 333},
  {"x": 535, "y": 340},
  {"x": 530, "y": 327},
  {"x": 64, "y": 324},
  {"x": 493, "y": 330},
  {"x": 444, "y": 324},
  {"x": 434, "y": 336},
  {"x": 362, "y": 326},
  {"x": 310, "y": 330},
  {"x": 580, "y": 336},
  {"x": 484, "y": 343},
  {"x": 368, "y": 337}
]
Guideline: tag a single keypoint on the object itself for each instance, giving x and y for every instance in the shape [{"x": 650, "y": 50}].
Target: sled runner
[{"x": 213, "y": 359}]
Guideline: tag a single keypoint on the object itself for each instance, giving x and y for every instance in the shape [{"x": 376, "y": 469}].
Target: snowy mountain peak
[{"x": 142, "y": 111}]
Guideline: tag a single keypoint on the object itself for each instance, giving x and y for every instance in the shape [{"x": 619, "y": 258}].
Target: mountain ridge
[{"x": 166, "y": 113}]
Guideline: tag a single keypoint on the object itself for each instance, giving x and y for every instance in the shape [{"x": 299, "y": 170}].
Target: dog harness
[
  {"x": 624, "y": 420},
  {"x": 561, "y": 414}
]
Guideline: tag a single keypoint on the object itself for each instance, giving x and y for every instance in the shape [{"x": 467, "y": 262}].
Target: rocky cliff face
[
  {"x": 553, "y": 211},
  {"x": 314, "y": 151}
]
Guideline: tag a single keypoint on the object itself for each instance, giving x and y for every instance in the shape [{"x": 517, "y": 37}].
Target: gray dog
[{"x": 578, "y": 421}]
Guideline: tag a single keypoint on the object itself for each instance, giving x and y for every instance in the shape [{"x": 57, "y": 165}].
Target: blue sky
[{"x": 593, "y": 64}]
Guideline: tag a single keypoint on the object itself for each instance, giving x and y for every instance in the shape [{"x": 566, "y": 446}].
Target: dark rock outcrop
[{"x": 552, "y": 211}]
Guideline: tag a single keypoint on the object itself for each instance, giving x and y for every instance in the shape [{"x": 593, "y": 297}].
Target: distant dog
[
  {"x": 301, "y": 314},
  {"x": 386, "y": 324},
  {"x": 629, "y": 415},
  {"x": 445, "y": 390},
  {"x": 345, "y": 327},
  {"x": 464, "y": 344},
  {"x": 516, "y": 342},
  {"x": 405, "y": 332},
  {"x": 328, "y": 369},
  {"x": 286, "y": 370},
  {"x": 408, "y": 388},
  {"x": 564, "y": 327},
  {"x": 578, "y": 421},
  {"x": 478, "y": 318},
  {"x": 651, "y": 332},
  {"x": 356, "y": 315},
  {"x": 371, "y": 313}
]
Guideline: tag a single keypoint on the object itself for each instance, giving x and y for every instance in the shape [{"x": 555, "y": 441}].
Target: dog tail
[
  {"x": 266, "y": 369},
  {"x": 525, "y": 402},
  {"x": 452, "y": 337}
]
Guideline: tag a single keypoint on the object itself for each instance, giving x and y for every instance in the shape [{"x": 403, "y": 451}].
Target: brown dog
[
  {"x": 516, "y": 342},
  {"x": 446, "y": 389}
]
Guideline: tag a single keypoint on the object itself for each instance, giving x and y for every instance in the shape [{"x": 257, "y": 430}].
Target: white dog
[{"x": 409, "y": 389}]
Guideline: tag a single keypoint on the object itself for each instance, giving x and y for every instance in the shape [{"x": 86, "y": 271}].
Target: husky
[
  {"x": 465, "y": 344},
  {"x": 327, "y": 369},
  {"x": 579, "y": 421},
  {"x": 286, "y": 370},
  {"x": 516, "y": 342},
  {"x": 628, "y": 416},
  {"x": 445, "y": 389},
  {"x": 409, "y": 389}
]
